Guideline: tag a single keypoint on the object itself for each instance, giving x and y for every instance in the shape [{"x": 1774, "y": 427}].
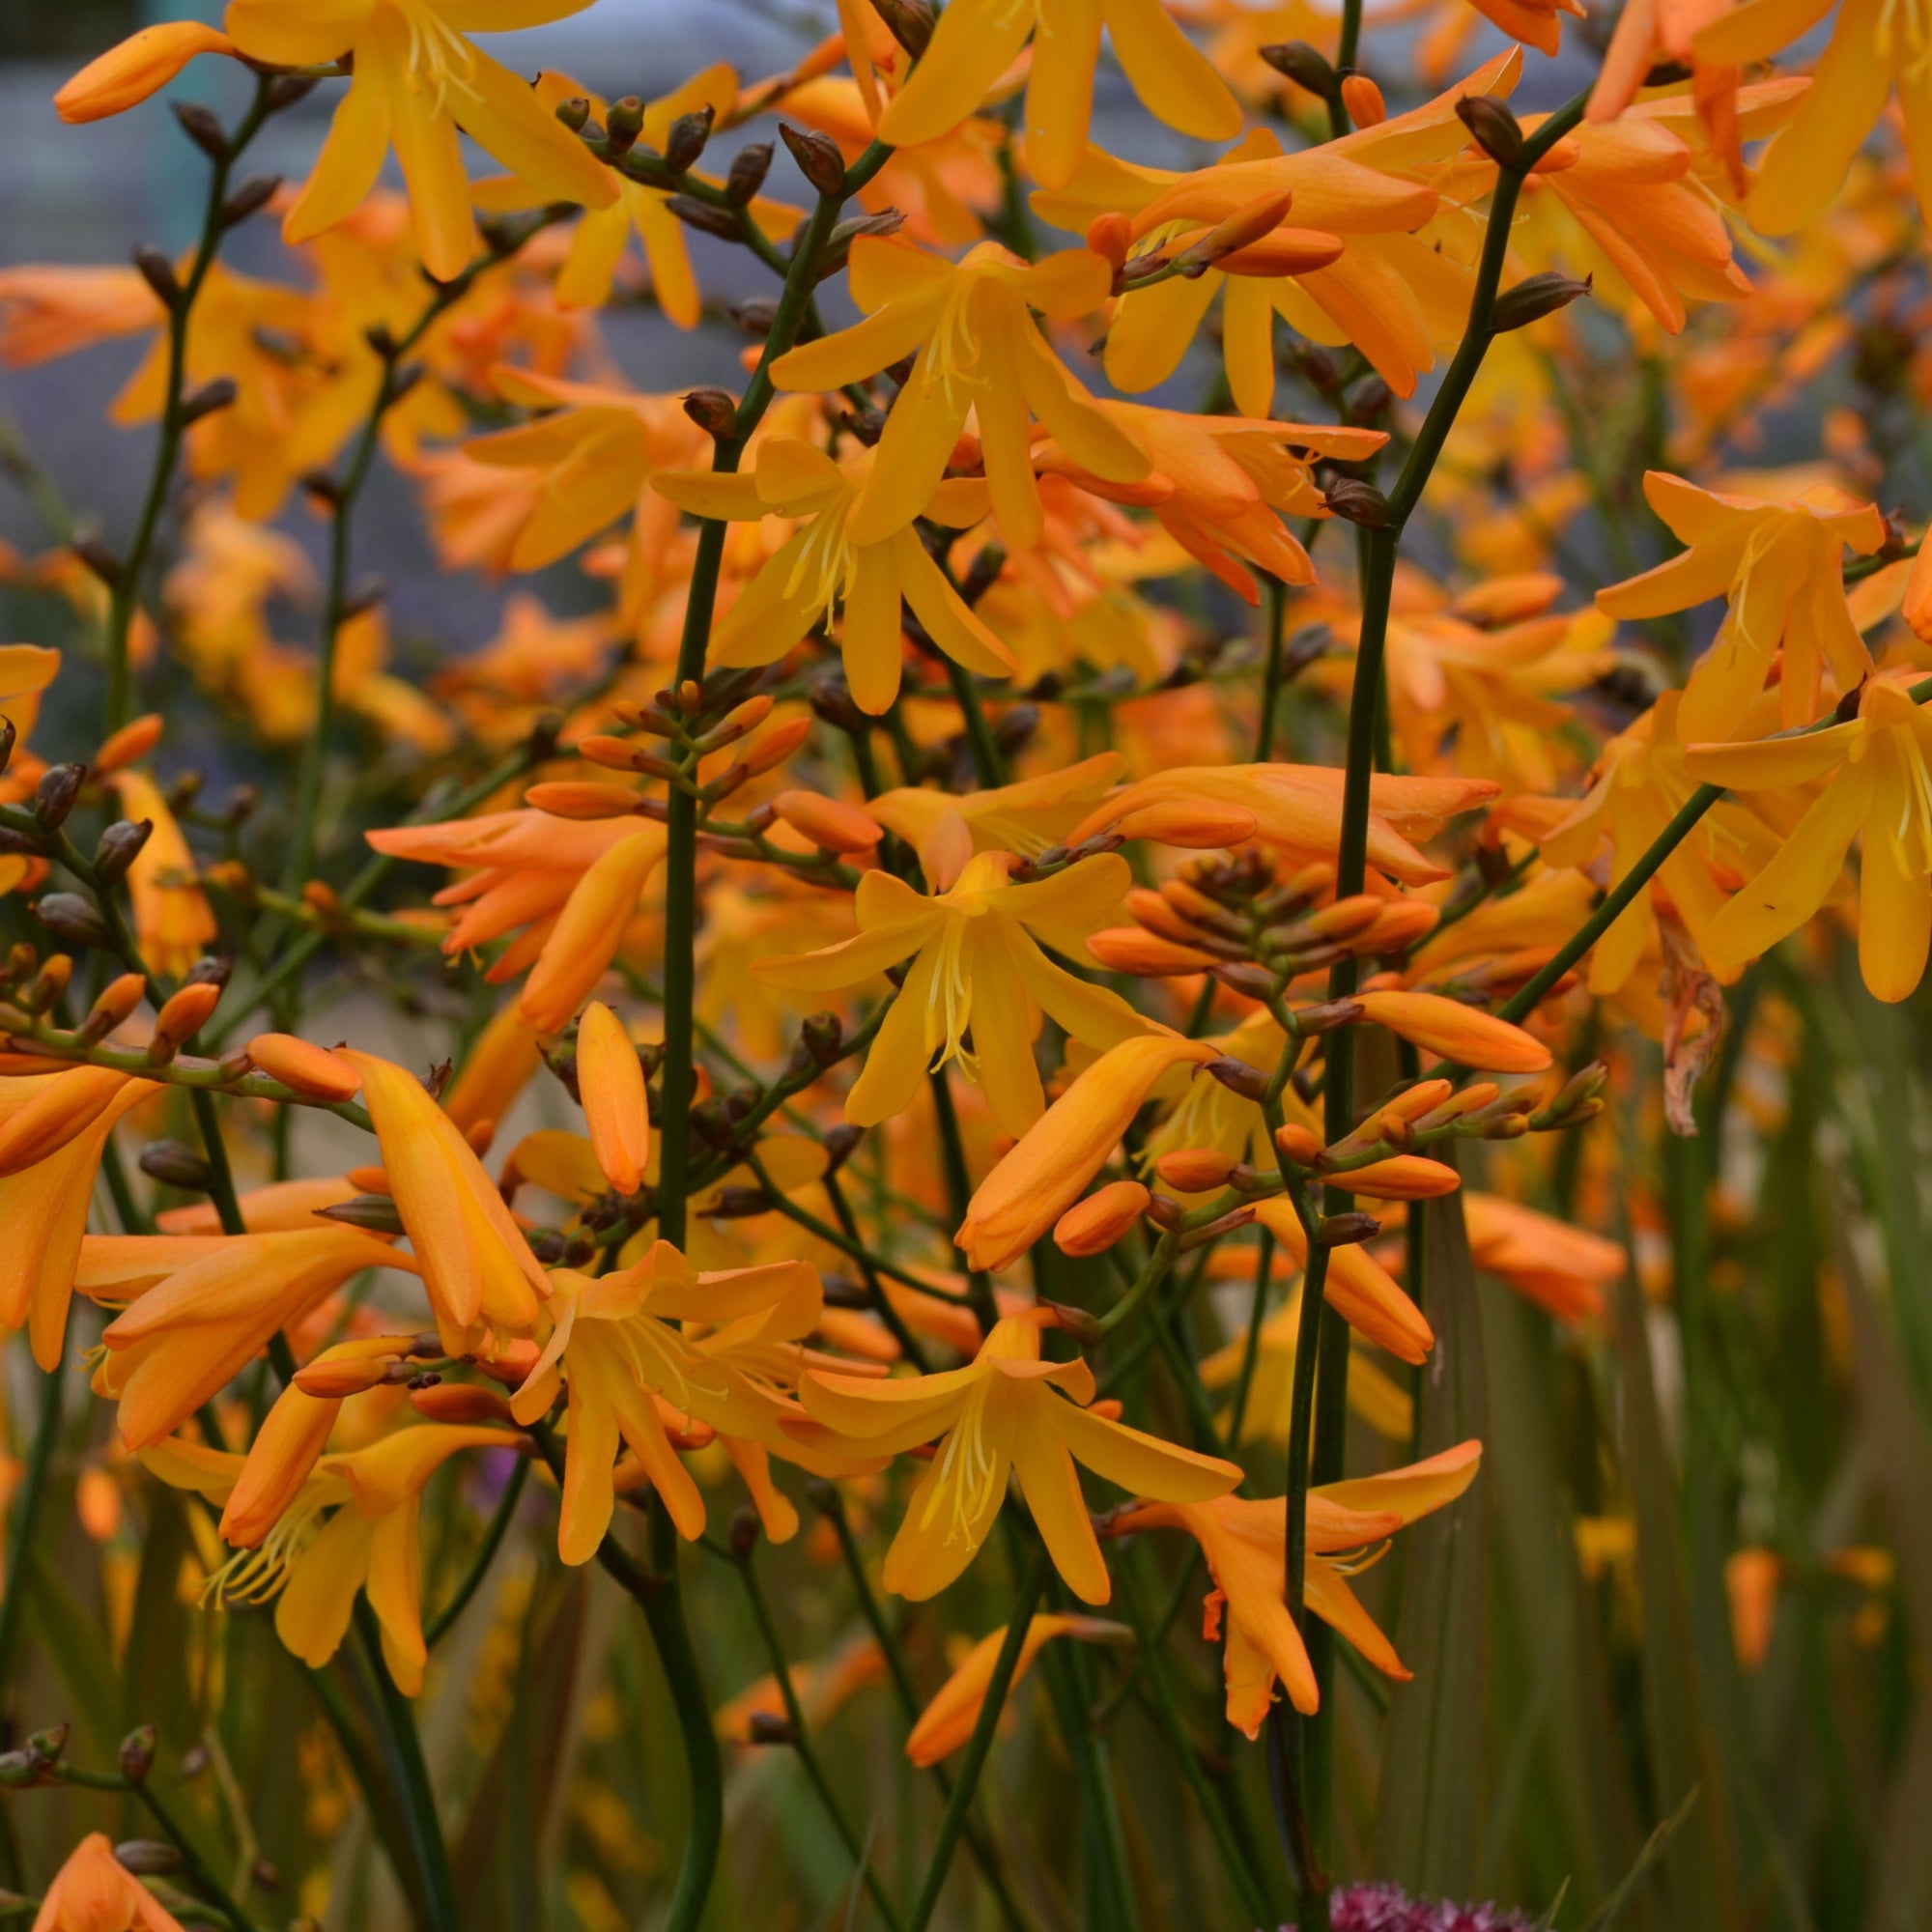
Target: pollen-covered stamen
[
  {"x": 439, "y": 59},
  {"x": 254, "y": 1576},
  {"x": 824, "y": 561},
  {"x": 1764, "y": 539},
  {"x": 952, "y": 998},
  {"x": 964, "y": 1475},
  {"x": 951, "y": 355},
  {"x": 1352, "y": 1562}
]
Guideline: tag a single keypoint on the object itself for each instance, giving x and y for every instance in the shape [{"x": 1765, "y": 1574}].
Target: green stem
[
  {"x": 953, "y": 1820},
  {"x": 1251, "y": 1348},
  {"x": 988, "y": 765},
  {"x": 26, "y": 1508},
  {"x": 486, "y": 1554},
  {"x": 124, "y": 598},
  {"x": 1276, "y": 594}
]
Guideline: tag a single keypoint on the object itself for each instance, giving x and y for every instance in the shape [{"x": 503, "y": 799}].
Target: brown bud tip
[
  {"x": 175, "y": 1165},
  {"x": 1326, "y": 1015},
  {"x": 55, "y": 794},
  {"x": 686, "y": 140},
  {"x": 1357, "y": 503},
  {"x": 1303, "y": 64},
  {"x": 767, "y": 1727},
  {"x": 249, "y": 197},
  {"x": 624, "y": 123},
  {"x": 910, "y": 22},
  {"x": 375, "y": 1213},
  {"x": 1494, "y": 128},
  {"x": 159, "y": 272},
  {"x": 70, "y": 917},
  {"x": 714, "y": 410},
  {"x": 817, "y": 156},
  {"x": 1343, "y": 1231},
  {"x": 1083, "y": 1327},
  {"x": 1239, "y": 1077},
  {"x": 745, "y": 177},
  {"x": 148, "y": 1858},
  {"x": 137, "y": 1754}
]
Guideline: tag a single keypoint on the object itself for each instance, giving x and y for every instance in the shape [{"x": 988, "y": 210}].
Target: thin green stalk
[
  {"x": 1237, "y": 1413},
  {"x": 1276, "y": 594},
  {"x": 486, "y": 1554},
  {"x": 801, "y": 1741},
  {"x": 988, "y": 765},
  {"x": 125, "y": 592},
  {"x": 953, "y": 1820},
  {"x": 882, "y": 1303},
  {"x": 959, "y": 1191},
  {"x": 26, "y": 1508},
  {"x": 410, "y": 1775}
]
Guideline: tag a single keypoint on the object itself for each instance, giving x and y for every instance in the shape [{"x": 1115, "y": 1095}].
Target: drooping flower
[
  {"x": 139, "y": 67},
  {"x": 822, "y": 564},
  {"x": 977, "y": 351},
  {"x": 1562, "y": 1268},
  {"x": 416, "y": 79},
  {"x": 1245, "y": 1543},
  {"x": 1009, "y": 1413},
  {"x": 977, "y": 963},
  {"x": 975, "y": 42},
  {"x": 1779, "y": 567},
  {"x": 948, "y": 1721},
  {"x": 1873, "y": 778}
]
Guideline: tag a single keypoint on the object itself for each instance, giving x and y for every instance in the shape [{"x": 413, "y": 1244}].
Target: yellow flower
[
  {"x": 1246, "y": 1545},
  {"x": 1875, "y": 780},
  {"x": 417, "y": 80},
  {"x": 947, "y": 1723},
  {"x": 823, "y": 563},
  {"x": 1779, "y": 566},
  {"x": 977, "y": 963},
  {"x": 352, "y": 1527},
  {"x": 1001, "y": 1415},
  {"x": 142, "y": 65},
  {"x": 978, "y": 352},
  {"x": 625, "y": 1363},
  {"x": 976, "y": 40},
  {"x": 610, "y": 1078},
  {"x": 476, "y": 1267},
  {"x": 173, "y": 922}
]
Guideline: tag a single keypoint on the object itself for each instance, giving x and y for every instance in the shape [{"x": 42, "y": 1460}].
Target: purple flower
[{"x": 1387, "y": 1908}]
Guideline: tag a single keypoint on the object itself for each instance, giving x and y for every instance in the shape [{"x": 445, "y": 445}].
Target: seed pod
[
  {"x": 1303, "y": 64},
  {"x": 118, "y": 847},
  {"x": 70, "y": 917},
  {"x": 685, "y": 142},
  {"x": 817, "y": 156},
  {"x": 177, "y": 1165},
  {"x": 1493, "y": 127},
  {"x": 623, "y": 124},
  {"x": 55, "y": 794},
  {"x": 1535, "y": 296}
]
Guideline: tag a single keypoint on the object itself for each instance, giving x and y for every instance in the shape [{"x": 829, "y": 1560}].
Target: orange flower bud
[
  {"x": 1463, "y": 1034},
  {"x": 1195, "y": 1170},
  {"x": 118, "y": 999},
  {"x": 1363, "y": 99},
  {"x": 368, "y": 1179},
  {"x": 584, "y": 798},
  {"x": 1288, "y": 251},
  {"x": 43, "y": 1120},
  {"x": 1128, "y": 949},
  {"x": 130, "y": 745},
  {"x": 1091, "y": 1226},
  {"x": 773, "y": 747},
  {"x": 187, "y": 1012},
  {"x": 330, "y": 1379},
  {"x": 125, "y": 75},
  {"x": 747, "y": 716},
  {"x": 1401, "y": 923},
  {"x": 1346, "y": 917},
  {"x": 1110, "y": 236},
  {"x": 827, "y": 823},
  {"x": 1199, "y": 827},
  {"x": 1404, "y": 1177},
  {"x": 307, "y": 1068},
  {"x": 616, "y": 755},
  {"x": 612, "y": 1081},
  {"x": 1301, "y": 1145},
  {"x": 96, "y": 1501},
  {"x": 461, "y": 1403}
]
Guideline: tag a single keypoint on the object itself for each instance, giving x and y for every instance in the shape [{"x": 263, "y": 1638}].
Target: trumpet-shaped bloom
[
  {"x": 977, "y": 964},
  {"x": 823, "y": 564},
  {"x": 43, "y": 1206},
  {"x": 1298, "y": 808},
  {"x": 947, "y": 1723},
  {"x": 352, "y": 1527},
  {"x": 1872, "y": 776},
  {"x": 1246, "y": 1545},
  {"x": 476, "y": 1265},
  {"x": 977, "y": 351},
  {"x": 141, "y": 65},
  {"x": 202, "y": 1307},
  {"x": 94, "y": 1892},
  {"x": 1048, "y": 1171},
  {"x": 417, "y": 80},
  {"x": 1026, "y": 818},
  {"x": 619, "y": 1348},
  {"x": 976, "y": 42},
  {"x": 1779, "y": 567},
  {"x": 1009, "y": 1413},
  {"x": 1357, "y": 1287},
  {"x": 1563, "y": 1269}
]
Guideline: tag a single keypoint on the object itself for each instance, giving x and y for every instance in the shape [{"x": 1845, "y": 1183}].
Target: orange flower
[
  {"x": 173, "y": 922},
  {"x": 1463, "y": 1033},
  {"x": 204, "y": 1306},
  {"x": 1246, "y": 1545},
  {"x": 1357, "y": 1287},
  {"x": 142, "y": 65},
  {"x": 947, "y": 1723},
  {"x": 95, "y": 1892},
  {"x": 1559, "y": 1267},
  {"x": 1001, "y": 1415},
  {"x": 1049, "y": 1168},
  {"x": 612, "y": 1081},
  {"x": 476, "y": 1267}
]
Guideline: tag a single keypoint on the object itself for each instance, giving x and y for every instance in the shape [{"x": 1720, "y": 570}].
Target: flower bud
[
  {"x": 910, "y": 22},
  {"x": 704, "y": 217},
  {"x": 817, "y": 156},
  {"x": 183, "y": 1015},
  {"x": 464, "y": 1403},
  {"x": 137, "y": 1754},
  {"x": 1301, "y": 1145},
  {"x": 117, "y": 849},
  {"x": 830, "y": 824},
  {"x": 1363, "y": 99},
  {"x": 130, "y": 745},
  {"x": 70, "y": 917},
  {"x": 148, "y": 1858},
  {"x": 1239, "y": 1077},
  {"x": 1304, "y": 65},
  {"x": 1357, "y": 503},
  {"x": 175, "y": 1165},
  {"x": 1404, "y": 1176},
  {"x": 1325, "y": 1015},
  {"x": 1130, "y": 949},
  {"x": 1110, "y": 236},
  {"x": 159, "y": 272},
  {"x": 1344, "y": 1231},
  {"x": 10, "y": 736},
  {"x": 1535, "y": 296},
  {"x": 375, "y": 1213},
  {"x": 745, "y": 176},
  {"x": 767, "y": 1727},
  {"x": 574, "y": 113},
  {"x": 714, "y": 410},
  {"x": 1091, "y": 1226},
  {"x": 118, "y": 1000},
  {"x": 686, "y": 138},
  {"x": 138, "y": 67},
  {"x": 305, "y": 1067},
  {"x": 623, "y": 124},
  {"x": 55, "y": 795},
  {"x": 1494, "y": 129},
  {"x": 772, "y": 747},
  {"x": 249, "y": 198},
  {"x": 823, "y": 1036},
  {"x": 1195, "y": 1170}
]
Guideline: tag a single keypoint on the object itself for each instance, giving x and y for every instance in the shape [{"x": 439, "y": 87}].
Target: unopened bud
[
  {"x": 582, "y": 798},
  {"x": 159, "y": 272},
  {"x": 910, "y": 22},
  {"x": 99, "y": 558},
  {"x": 249, "y": 198},
  {"x": 685, "y": 142},
  {"x": 817, "y": 156},
  {"x": 1195, "y": 1170},
  {"x": 823, "y": 1036},
  {"x": 1494, "y": 129},
  {"x": 55, "y": 794},
  {"x": 1303, "y": 64},
  {"x": 1244, "y": 976},
  {"x": 743, "y": 180},
  {"x": 1357, "y": 503},
  {"x": 148, "y": 1858},
  {"x": 70, "y": 917},
  {"x": 574, "y": 113},
  {"x": 1535, "y": 296},
  {"x": 704, "y": 217},
  {"x": 203, "y": 127},
  {"x": 118, "y": 847},
  {"x": 624, "y": 123},
  {"x": 1239, "y": 1077},
  {"x": 116, "y": 1001},
  {"x": 184, "y": 1015},
  {"x": 767, "y": 1727},
  {"x": 175, "y": 1165},
  {"x": 8, "y": 738},
  {"x": 1343, "y": 1231},
  {"x": 373, "y": 1213},
  {"x": 1110, "y": 236},
  {"x": 1363, "y": 99},
  {"x": 714, "y": 410},
  {"x": 1083, "y": 1327},
  {"x": 137, "y": 1754}
]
